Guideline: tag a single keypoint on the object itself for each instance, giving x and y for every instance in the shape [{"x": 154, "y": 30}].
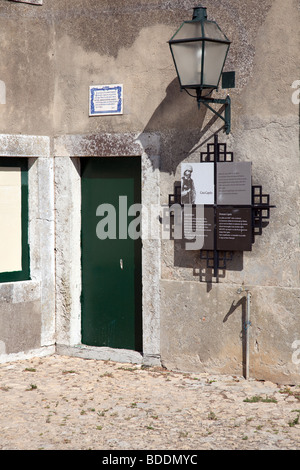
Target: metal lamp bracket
[{"x": 227, "y": 110}]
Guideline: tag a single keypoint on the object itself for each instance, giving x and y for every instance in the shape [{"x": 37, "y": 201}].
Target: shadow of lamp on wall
[{"x": 199, "y": 49}]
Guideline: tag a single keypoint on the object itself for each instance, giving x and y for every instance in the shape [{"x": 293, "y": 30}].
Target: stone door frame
[{"x": 68, "y": 150}]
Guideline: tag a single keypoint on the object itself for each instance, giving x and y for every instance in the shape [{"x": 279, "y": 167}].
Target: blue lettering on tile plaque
[{"x": 106, "y": 100}]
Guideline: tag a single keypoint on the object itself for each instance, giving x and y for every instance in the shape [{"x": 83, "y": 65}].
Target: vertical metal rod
[
  {"x": 247, "y": 332},
  {"x": 227, "y": 115},
  {"x": 216, "y": 159}
]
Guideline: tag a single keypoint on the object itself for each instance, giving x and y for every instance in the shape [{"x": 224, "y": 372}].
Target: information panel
[
  {"x": 230, "y": 211},
  {"x": 224, "y": 223},
  {"x": 234, "y": 229},
  {"x": 234, "y": 183},
  {"x": 199, "y": 224}
]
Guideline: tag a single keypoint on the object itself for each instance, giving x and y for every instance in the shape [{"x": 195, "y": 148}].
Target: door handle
[{"x": 121, "y": 263}]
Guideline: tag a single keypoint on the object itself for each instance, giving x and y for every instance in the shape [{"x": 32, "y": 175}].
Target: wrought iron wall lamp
[{"x": 199, "y": 49}]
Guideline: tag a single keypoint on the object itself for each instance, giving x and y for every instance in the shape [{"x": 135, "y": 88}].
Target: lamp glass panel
[
  {"x": 189, "y": 30},
  {"x": 188, "y": 59},
  {"x": 212, "y": 31},
  {"x": 214, "y": 57}
]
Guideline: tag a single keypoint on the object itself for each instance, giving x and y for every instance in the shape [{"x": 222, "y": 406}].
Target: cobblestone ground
[{"x": 65, "y": 403}]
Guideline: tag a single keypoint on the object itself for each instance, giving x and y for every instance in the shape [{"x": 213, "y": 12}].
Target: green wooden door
[{"x": 111, "y": 266}]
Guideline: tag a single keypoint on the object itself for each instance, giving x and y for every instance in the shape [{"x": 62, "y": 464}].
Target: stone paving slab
[{"x": 67, "y": 403}]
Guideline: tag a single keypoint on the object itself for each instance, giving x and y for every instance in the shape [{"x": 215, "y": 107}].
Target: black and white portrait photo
[{"x": 197, "y": 183}]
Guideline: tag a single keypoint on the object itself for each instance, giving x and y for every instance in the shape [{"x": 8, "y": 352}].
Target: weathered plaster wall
[
  {"x": 26, "y": 36},
  {"x": 53, "y": 52}
]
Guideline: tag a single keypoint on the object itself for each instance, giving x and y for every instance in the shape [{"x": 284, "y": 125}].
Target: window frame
[{"x": 24, "y": 273}]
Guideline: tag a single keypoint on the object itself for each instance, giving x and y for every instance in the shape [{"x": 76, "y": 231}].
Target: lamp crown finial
[{"x": 199, "y": 13}]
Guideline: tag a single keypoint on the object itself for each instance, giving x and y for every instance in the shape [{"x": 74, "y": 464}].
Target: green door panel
[{"x": 111, "y": 267}]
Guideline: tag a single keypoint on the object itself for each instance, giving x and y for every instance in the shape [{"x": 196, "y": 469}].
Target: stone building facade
[{"x": 52, "y": 53}]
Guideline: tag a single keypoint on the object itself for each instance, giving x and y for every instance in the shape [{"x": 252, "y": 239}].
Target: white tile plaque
[{"x": 106, "y": 100}]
